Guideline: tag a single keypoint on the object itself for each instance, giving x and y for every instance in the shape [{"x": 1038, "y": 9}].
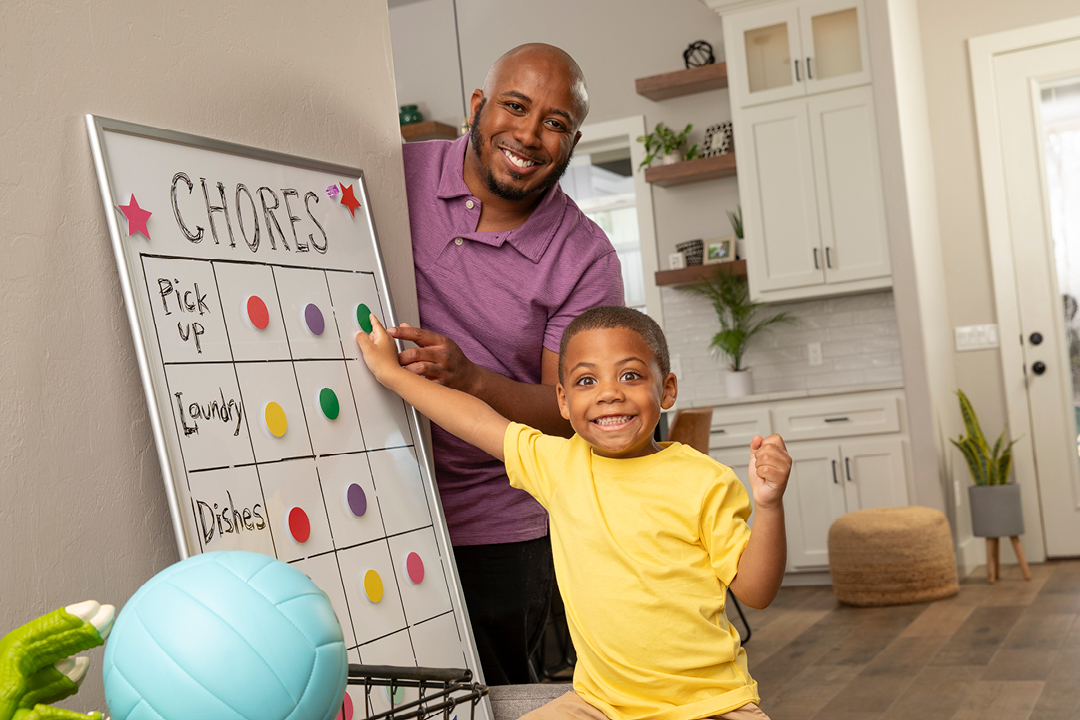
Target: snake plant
[{"x": 988, "y": 467}]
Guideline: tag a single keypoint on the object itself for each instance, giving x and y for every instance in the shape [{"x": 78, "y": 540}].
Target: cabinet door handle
[
  {"x": 835, "y": 481},
  {"x": 828, "y": 258},
  {"x": 847, "y": 467},
  {"x": 837, "y": 419},
  {"x": 808, "y": 75},
  {"x": 797, "y": 78},
  {"x": 816, "y": 266}
]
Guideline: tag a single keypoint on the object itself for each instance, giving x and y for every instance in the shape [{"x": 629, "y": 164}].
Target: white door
[
  {"x": 1046, "y": 270},
  {"x": 765, "y": 56},
  {"x": 874, "y": 473},
  {"x": 814, "y": 498},
  {"x": 850, "y": 197},
  {"x": 834, "y": 47},
  {"x": 780, "y": 210}
]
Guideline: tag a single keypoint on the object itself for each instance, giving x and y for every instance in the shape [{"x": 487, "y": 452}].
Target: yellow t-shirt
[{"x": 644, "y": 549}]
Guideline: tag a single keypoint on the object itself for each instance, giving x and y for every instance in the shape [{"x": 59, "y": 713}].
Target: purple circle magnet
[
  {"x": 313, "y": 318},
  {"x": 357, "y": 500}
]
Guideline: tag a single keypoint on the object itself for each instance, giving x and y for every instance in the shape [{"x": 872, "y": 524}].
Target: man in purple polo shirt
[{"x": 504, "y": 261}]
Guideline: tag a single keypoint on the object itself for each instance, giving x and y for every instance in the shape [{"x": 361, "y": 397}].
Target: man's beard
[{"x": 503, "y": 190}]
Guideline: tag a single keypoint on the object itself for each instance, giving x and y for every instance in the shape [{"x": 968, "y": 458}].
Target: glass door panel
[
  {"x": 768, "y": 57},
  {"x": 837, "y": 49}
]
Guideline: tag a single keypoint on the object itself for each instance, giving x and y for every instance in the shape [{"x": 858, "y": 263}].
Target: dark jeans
[{"x": 508, "y": 591}]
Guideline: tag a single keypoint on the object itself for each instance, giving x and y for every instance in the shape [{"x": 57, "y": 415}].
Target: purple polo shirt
[{"x": 501, "y": 296}]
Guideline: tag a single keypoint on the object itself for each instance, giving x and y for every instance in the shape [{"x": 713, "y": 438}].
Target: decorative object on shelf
[
  {"x": 735, "y": 218},
  {"x": 409, "y": 115},
  {"x": 676, "y": 261},
  {"x": 697, "y": 54},
  {"x": 720, "y": 250},
  {"x": 692, "y": 250},
  {"x": 665, "y": 143},
  {"x": 740, "y": 322},
  {"x": 996, "y": 510},
  {"x": 719, "y": 140}
]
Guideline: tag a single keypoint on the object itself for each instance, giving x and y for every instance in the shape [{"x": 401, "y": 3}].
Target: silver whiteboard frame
[{"x": 97, "y": 126}]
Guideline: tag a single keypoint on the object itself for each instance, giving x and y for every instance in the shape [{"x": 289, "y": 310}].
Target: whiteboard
[{"x": 246, "y": 274}]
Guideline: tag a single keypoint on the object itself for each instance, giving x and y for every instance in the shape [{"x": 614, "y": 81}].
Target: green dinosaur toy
[{"x": 35, "y": 664}]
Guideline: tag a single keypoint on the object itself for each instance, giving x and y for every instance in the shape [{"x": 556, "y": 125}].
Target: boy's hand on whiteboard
[
  {"x": 438, "y": 358},
  {"x": 379, "y": 350},
  {"x": 35, "y": 664},
  {"x": 770, "y": 466}
]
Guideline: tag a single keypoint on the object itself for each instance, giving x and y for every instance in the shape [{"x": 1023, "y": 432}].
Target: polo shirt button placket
[
  {"x": 469, "y": 204},
  {"x": 458, "y": 241}
]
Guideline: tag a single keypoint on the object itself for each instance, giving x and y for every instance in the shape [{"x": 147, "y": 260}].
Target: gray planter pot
[{"x": 996, "y": 510}]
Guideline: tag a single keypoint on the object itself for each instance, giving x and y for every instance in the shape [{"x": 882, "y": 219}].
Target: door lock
[
  {"x": 1035, "y": 338},
  {"x": 1038, "y": 367}
]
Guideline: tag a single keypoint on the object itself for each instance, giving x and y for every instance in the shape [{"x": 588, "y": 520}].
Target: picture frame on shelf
[
  {"x": 720, "y": 250},
  {"x": 719, "y": 140},
  {"x": 676, "y": 261}
]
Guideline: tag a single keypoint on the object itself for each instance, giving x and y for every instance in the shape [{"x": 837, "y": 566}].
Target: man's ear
[
  {"x": 670, "y": 391},
  {"x": 474, "y": 103},
  {"x": 576, "y": 138},
  {"x": 560, "y": 395}
]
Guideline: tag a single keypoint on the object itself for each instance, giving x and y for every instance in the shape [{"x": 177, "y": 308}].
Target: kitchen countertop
[{"x": 787, "y": 395}]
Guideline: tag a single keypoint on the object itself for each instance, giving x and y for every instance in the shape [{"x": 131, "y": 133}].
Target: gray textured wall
[{"x": 84, "y": 512}]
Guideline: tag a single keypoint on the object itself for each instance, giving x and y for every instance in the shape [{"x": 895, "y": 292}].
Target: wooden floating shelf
[
  {"x": 428, "y": 130},
  {"x": 697, "y": 273},
  {"x": 683, "y": 82},
  {"x": 690, "y": 171}
]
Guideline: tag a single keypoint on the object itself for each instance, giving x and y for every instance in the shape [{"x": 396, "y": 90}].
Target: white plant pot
[
  {"x": 739, "y": 383},
  {"x": 671, "y": 158},
  {"x": 740, "y": 249}
]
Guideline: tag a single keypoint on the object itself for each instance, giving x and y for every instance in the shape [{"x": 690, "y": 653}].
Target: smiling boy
[{"x": 645, "y": 536}]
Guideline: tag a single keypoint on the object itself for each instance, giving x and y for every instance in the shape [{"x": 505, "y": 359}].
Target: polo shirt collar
[{"x": 533, "y": 237}]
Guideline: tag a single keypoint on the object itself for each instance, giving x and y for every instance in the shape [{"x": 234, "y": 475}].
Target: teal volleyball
[{"x": 226, "y": 636}]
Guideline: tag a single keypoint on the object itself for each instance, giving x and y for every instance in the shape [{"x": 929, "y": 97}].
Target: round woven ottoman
[{"x": 891, "y": 556}]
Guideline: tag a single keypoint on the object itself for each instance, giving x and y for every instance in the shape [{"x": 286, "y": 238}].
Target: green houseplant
[
  {"x": 995, "y": 502},
  {"x": 665, "y": 143},
  {"x": 740, "y": 320}
]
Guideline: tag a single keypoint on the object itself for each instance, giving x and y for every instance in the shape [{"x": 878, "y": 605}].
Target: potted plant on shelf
[
  {"x": 665, "y": 143},
  {"x": 740, "y": 321},
  {"x": 996, "y": 510},
  {"x": 735, "y": 218}
]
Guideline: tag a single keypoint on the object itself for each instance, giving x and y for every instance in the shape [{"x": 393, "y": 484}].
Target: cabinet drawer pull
[
  {"x": 847, "y": 467},
  {"x": 837, "y": 419},
  {"x": 717, "y": 431},
  {"x": 835, "y": 481}
]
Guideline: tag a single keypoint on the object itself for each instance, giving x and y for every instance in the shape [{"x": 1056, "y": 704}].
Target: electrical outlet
[{"x": 814, "y": 353}]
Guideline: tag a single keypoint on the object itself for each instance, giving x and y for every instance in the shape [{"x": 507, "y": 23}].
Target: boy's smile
[{"x": 614, "y": 392}]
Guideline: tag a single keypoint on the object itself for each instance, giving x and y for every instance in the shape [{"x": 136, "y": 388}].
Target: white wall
[
  {"x": 614, "y": 42},
  {"x": 84, "y": 512}
]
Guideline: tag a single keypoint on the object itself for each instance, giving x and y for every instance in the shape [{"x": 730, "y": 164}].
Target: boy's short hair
[{"x": 617, "y": 316}]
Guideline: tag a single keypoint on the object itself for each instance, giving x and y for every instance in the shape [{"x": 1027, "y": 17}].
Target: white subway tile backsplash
[{"x": 858, "y": 335}]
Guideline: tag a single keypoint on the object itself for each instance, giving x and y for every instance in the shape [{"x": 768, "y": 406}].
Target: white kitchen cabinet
[
  {"x": 812, "y": 197},
  {"x": 804, "y": 48},
  {"x": 830, "y": 479}
]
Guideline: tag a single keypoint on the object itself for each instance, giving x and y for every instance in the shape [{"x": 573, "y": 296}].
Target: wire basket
[{"x": 440, "y": 690}]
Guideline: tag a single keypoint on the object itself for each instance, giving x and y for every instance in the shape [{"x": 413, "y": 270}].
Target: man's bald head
[{"x": 557, "y": 63}]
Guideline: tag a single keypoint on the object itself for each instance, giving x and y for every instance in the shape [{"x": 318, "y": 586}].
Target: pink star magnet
[
  {"x": 136, "y": 218},
  {"x": 348, "y": 199}
]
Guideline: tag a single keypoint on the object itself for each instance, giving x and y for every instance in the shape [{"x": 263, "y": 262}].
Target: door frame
[
  {"x": 981, "y": 54},
  {"x": 618, "y": 133}
]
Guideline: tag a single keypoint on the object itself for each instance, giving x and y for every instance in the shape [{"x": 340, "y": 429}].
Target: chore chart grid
[{"x": 247, "y": 275}]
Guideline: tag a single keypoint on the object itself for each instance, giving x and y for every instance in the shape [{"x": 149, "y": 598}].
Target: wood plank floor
[{"x": 1008, "y": 651}]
